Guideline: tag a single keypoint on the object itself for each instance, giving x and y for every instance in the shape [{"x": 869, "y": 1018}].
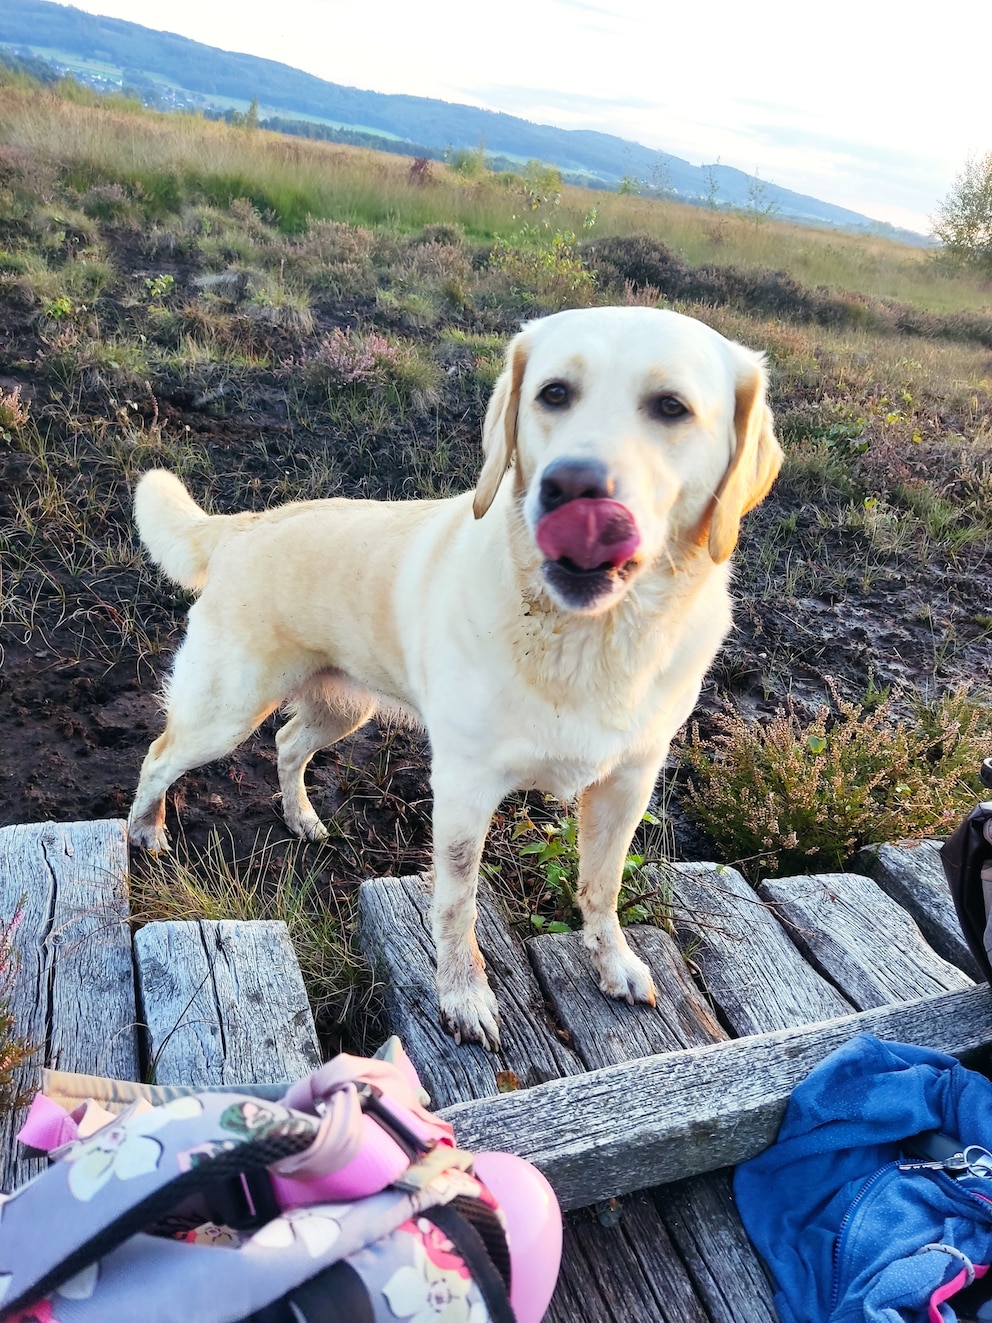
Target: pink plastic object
[{"x": 533, "y": 1224}]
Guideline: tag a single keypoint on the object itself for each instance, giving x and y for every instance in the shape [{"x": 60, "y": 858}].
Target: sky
[{"x": 868, "y": 104}]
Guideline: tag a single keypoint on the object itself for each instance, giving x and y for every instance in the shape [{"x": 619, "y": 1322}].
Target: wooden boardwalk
[
  {"x": 193, "y": 1004},
  {"x": 637, "y": 1114}
]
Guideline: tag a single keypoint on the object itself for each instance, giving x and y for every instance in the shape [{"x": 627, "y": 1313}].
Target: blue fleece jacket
[{"x": 838, "y": 1224}]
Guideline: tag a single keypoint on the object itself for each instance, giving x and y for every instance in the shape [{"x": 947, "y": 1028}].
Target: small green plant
[
  {"x": 544, "y": 267},
  {"x": 158, "y": 288},
  {"x": 552, "y": 848},
  {"x": 60, "y": 308},
  {"x": 469, "y": 162},
  {"x": 802, "y": 794}
]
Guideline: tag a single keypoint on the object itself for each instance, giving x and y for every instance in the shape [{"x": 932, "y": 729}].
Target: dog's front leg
[
  {"x": 609, "y": 812},
  {"x": 463, "y": 808}
]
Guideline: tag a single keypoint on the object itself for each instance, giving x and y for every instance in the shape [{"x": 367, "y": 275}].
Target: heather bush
[
  {"x": 14, "y": 1050},
  {"x": 14, "y": 412},
  {"x": 802, "y": 794},
  {"x": 348, "y": 358}
]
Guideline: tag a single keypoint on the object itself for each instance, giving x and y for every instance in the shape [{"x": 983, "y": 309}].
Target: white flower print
[
  {"x": 426, "y": 1293},
  {"x": 315, "y": 1226},
  {"x": 123, "y": 1149},
  {"x": 82, "y": 1286}
]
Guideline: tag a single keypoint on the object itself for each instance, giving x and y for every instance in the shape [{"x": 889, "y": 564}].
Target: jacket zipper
[
  {"x": 845, "y": 1221},
  {"x": 984, "y": 1200}
]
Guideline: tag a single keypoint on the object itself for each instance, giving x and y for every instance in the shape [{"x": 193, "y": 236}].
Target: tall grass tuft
[{"x": 275, "y": 880}]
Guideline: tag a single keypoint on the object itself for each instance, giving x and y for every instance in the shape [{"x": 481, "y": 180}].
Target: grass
[{"x": 271, "y": 882}]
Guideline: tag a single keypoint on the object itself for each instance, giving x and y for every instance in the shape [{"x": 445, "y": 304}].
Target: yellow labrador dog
[{"x": 549, "y": 630}]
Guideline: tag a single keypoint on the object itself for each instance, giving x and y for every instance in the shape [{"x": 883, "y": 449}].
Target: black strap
[
  {"x": 494, "y": 1288},
  {"x": 963, "y": 854},
  {"x": 336, "y": 1295}
]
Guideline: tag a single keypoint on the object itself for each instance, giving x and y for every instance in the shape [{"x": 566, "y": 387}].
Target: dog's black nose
[{"x": 569, "y": 479}]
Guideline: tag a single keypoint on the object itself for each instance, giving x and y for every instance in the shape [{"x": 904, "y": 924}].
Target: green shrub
[
  {"x": 802, "y": 795},
  {"x": 545, "y": 853},
  {"x": 544, "y": 268}
]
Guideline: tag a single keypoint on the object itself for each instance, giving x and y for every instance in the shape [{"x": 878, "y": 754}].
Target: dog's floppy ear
[
  {"x": 756, "y": 460},
  {"x": 499, "y": 432}
]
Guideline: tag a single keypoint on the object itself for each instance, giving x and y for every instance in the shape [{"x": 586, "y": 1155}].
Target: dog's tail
[{"x": 177, "y": 534}]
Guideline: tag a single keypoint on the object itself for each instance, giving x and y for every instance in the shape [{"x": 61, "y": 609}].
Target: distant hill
[{"x": 177, "y": 71}]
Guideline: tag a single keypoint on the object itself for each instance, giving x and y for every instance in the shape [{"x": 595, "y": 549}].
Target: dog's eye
[
  {"x": 666, "y": 408},
  {"x": 555, "y": 394}
]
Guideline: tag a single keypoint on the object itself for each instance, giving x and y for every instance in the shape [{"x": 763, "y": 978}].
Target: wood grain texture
[
  {"x": 701, "y": 1218},
  {"x": 623, "y": 1273},
  {"x": 224, "y": 1003},
  {"x": 603, "y": 1030},
  {"x": 395, "y": 932},
  {"x": 912, "y": 874},
  {"x": 73, "y": 983},
  {"x": 662, "y": 1118},
  {"x": 865, "y": 943},
  {"x": 749, "y": 967}
]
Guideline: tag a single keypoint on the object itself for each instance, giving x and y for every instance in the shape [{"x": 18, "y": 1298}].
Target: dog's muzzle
[{"x": 588, "y": 543}]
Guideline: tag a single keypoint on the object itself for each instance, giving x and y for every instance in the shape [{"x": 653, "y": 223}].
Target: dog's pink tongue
[{"x": 589, "y": 532}]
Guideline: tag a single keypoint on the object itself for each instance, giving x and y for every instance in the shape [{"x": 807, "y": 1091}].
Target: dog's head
[{"x": 633, "y": 433}]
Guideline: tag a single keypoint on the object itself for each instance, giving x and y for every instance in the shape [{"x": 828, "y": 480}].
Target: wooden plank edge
[{"x": 662, "y": 1118}]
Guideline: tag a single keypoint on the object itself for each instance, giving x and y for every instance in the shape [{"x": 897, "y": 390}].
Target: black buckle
[{"x": 244, "y": 1202}]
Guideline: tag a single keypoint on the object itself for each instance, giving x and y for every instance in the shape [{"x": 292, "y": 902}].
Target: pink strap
[
  {"x": 957, "y": 1283},
  {"x": 47, "y": 1126}
]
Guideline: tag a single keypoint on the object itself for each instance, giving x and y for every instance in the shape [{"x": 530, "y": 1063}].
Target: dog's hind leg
[
  {"x": 215, "y": 702},
  {"x": 609, "y": 812},
  {"x": 319, "y": 718}
]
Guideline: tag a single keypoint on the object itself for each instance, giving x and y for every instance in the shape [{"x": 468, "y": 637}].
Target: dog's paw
[
  {"x": 472, "y": 1017},
  {"x": 624, "y": 976},
  {"x": 307, "y": 826},
  {"x": 148, "y": 836}
]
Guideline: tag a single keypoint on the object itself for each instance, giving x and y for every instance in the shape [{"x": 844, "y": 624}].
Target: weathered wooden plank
[
  {"x": 603, "y": 1030},
  {"x": 395, "y": 931},
  {"x": 73, "y": 983},
  {"x": 753, "y": 973},
  {"x": 623, "y": 1273},
  {"x": 912, "y": 874},
  {"x": 847, "y": 927},
  {"x": 223, "y": 1003},
  {"x": 701, "y": 1217},
  {"x": 631, "y": 1270},
  {"x": 665, "y": 1117}
]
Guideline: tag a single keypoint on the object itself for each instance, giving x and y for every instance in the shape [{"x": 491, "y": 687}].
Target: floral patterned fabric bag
[{"x": 347, "y": 1200}]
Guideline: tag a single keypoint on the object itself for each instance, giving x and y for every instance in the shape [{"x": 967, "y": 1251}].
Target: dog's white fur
[{"x": 439, "y": 610}]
